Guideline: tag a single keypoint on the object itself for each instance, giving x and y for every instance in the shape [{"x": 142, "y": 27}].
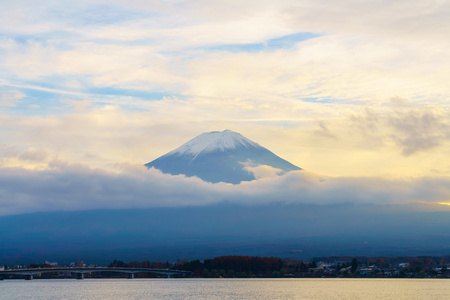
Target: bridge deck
[{"x": 31, "y": 272}]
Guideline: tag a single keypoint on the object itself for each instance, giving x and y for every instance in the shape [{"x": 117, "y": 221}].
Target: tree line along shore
[{"x": 234, "y": 266}]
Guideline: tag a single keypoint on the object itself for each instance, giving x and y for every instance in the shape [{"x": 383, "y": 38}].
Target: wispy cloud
[
  {"x": 10, "y": 97},
  {"x": 413, "y": 128}
]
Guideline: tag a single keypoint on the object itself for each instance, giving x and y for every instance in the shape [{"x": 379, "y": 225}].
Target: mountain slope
[{"x": 216, "y": 156}]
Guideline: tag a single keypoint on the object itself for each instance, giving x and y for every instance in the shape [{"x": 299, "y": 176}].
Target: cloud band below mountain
[{"x": 74, "y": 188}]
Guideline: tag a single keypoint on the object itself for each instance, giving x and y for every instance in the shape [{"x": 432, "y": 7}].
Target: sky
[{"x": 355, "y": 92}]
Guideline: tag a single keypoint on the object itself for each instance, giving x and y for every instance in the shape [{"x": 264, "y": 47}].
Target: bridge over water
[{"x": 29, "y": 273}]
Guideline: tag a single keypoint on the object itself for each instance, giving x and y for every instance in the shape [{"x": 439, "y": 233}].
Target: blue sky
[{"x": 344, "y": 90}]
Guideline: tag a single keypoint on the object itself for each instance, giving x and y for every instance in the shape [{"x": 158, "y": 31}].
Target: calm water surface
[{"x": 226, "y": 289}]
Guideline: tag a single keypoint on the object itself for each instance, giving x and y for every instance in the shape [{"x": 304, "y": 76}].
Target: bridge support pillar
[
  {"x": 80, "y": 276},
  {"x": 28, "y": 277},
  {"x": 130, "y": 275}
]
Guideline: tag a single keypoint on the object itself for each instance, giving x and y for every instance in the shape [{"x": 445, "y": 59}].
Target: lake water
[{"x": 316, "y": 289}]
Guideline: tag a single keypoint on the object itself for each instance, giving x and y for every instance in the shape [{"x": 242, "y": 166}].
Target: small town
[{"x": 260, "y": 267}]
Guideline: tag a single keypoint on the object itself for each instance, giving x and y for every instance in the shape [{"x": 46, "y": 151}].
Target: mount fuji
[{"x": 224, "y": 156}]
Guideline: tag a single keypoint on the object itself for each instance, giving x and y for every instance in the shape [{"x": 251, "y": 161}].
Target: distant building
[
  {"x": 19, "y": 267},
  {"x": 366, "y": 271},
  {"x": 78, "y": 264}
]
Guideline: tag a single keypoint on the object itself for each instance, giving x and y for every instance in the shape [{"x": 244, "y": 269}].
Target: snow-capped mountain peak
[
  {"x": 213, "y": 141},
  {"x": 221, "y": 156}
]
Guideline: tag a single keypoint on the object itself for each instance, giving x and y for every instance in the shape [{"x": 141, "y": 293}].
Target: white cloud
[
  {"x": 75, "y": 187},
  {"x": 262, "y": 171}
]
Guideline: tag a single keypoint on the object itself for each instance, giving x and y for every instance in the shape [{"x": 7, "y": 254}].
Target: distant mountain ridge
[{"x": 220, "y": 156}]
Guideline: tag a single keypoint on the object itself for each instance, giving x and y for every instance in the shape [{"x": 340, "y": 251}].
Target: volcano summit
[{"x": 225, "y": 156}]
